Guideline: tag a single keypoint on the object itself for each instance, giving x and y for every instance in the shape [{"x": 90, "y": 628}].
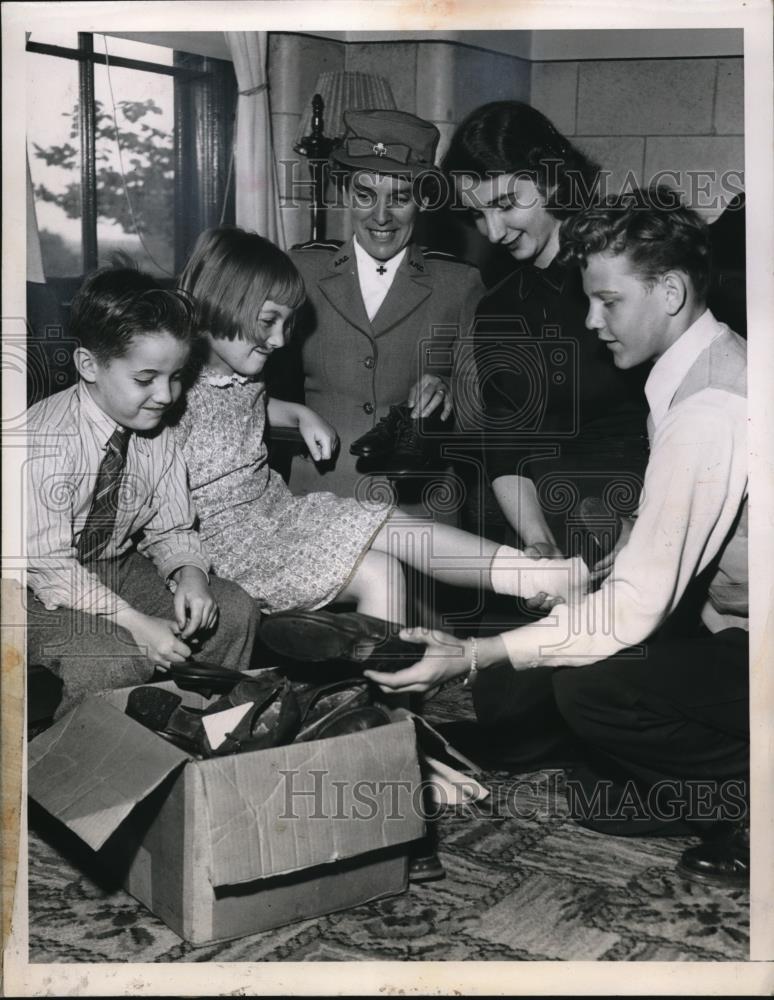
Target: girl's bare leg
[
  {"x": 439, "y": 550},
  {"x": 464, "y": 560},
  {"x": 378, "y": 587}
]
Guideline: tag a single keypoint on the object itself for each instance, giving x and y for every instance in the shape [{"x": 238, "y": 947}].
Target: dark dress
[{"x": 556, "y": 409}]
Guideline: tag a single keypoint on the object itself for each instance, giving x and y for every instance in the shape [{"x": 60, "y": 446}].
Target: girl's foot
[{"x": 517, "y": 575}]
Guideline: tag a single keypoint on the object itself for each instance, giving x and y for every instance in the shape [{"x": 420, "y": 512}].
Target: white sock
[{"x": 518, "y": 575}]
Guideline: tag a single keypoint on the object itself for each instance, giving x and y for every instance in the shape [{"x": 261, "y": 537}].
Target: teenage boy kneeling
[
  {"x": 117, "y": 572},
  {"x": 656, "y": 698}
]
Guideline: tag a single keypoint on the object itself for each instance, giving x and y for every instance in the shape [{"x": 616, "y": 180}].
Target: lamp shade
[{"x": 345, "y": 91}]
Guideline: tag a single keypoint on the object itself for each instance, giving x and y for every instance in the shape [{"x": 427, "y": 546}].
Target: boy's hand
[
  {"x": 157, "y": 637},
  {"x": 320, "y": 438},
  {"x": 195, "y": 607}
]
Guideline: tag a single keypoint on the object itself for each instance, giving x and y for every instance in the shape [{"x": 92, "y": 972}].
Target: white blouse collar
[{"x": 220, "y": 380}]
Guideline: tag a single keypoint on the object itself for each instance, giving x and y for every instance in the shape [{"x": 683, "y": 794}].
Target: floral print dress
[{"x": 286, "y": 551}]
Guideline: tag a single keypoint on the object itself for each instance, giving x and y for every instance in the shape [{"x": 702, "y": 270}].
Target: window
[{"x": 129, "y": 147}]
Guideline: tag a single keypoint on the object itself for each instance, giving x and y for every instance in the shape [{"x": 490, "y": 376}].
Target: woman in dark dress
[{"x": 560, "y": 421}]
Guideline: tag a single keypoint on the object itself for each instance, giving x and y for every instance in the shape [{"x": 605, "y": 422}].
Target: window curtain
[
  {"x": 255, "y": 169},
  {"x": 34, "y": 256}
]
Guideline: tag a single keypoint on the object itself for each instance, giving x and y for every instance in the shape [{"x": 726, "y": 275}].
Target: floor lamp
[{"x": 335, "y": 93}]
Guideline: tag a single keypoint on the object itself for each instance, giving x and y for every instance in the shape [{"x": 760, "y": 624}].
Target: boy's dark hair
[
  {"x": 511, "y": 137},
  {"x": 230, "y": 274},
  {"x": 115, "y": 305},
  {"x": 651, "y": 226}
]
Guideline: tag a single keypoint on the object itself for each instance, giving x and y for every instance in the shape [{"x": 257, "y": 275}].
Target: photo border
[{"x": 370, "y": 978}]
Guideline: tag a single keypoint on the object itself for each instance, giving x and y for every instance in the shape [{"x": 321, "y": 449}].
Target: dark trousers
[
  {"x": 91, "y": 653},
  {"x": 669, "y": 730}
]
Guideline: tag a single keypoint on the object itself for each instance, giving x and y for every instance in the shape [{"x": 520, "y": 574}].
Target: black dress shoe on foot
[
  {"x": 724, "y": 861},
  {"x": 317, "y": 636},
  {"x": 427, "y": 868}
]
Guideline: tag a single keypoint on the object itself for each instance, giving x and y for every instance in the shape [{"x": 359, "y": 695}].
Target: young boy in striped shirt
[{"x": 117, "y": 579}]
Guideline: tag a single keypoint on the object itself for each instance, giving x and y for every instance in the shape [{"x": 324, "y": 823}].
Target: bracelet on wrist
[{"x": 473, "y": 668}]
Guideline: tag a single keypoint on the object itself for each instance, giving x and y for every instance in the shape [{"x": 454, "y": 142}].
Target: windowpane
[
  {"x": 135, "y": 167},
  {"x": 55, "y": 160},
  {"x": 133, "y": 50}
]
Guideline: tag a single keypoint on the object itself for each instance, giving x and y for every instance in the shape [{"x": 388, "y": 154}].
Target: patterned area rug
[{"x": 523, "y": 882}]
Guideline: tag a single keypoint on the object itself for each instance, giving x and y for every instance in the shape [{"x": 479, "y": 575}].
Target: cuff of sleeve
[
  {"x": 108, "y": 604},
  {"x": 88, "y": 597},
  {"x": 174, "y": 562},
  {"x": 539, "y": 645},
  {"x": 100, "y": 603}
]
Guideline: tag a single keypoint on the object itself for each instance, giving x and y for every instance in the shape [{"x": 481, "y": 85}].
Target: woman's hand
[
  {"x": 319, "y": 436},
  {"x": 427, "y": 395},
  {"x": 446, "y": 657}
]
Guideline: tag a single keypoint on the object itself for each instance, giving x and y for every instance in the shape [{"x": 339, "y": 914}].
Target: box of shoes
[{"x": 224, "y": 846}]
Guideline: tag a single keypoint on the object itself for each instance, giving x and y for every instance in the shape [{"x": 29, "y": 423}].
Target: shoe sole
[{"x": 312, "y": 640}]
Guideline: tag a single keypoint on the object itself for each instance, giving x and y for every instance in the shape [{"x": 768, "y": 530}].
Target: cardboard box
[{"x": 228, "y": 846}]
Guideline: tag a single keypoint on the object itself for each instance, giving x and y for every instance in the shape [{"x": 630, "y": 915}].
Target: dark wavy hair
[
  {"x": 230, "y": 274},
  {"x": 652, "y": 226},
  {"x": 511, "y": 137},
  {"x": 116, "y": 304}
]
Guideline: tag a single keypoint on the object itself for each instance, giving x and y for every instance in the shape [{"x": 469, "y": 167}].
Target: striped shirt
[{"x": 67, "y": 435}]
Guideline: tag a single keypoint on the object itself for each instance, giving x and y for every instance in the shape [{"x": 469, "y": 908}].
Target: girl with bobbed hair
[
  {"x": 559, "y": 422},
  {"x": 290, "y": 552}
]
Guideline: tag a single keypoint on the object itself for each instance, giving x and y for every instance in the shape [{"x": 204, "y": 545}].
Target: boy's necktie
[{"x": 102, "y": 515}]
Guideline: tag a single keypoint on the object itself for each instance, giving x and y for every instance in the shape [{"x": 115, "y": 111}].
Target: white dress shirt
[
  {"x": 375, "y": 277},
  {"x": 66, "y": 440},
  {"x": 692, "y": 509}
]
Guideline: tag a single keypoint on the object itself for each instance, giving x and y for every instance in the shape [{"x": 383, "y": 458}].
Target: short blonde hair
[{"x": 230, "y": 275}]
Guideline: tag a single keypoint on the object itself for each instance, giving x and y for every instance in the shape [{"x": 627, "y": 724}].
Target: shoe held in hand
[
  {"x": 318, "y": 636},
  {"x": 399, "y": 444}
]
